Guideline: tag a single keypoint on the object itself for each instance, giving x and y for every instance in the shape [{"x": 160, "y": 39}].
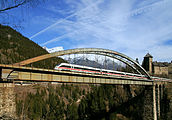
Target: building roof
[
  {"x": 148, "y": 55},
  {"x": 161, "y": 64}
]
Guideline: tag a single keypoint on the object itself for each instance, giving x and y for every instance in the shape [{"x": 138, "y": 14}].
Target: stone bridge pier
[
  {"x": 7, "y": 101},
  {"x": 152, "y": 102}
]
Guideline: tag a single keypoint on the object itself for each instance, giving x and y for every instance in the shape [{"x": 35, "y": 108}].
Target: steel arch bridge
[
  {"x": 99, "y": 51},
  {"x": 19, "y": 72}
]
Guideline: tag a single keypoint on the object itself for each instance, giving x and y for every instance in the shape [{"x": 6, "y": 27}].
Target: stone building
[
  {"x": 160, "y": 68},
  {"x": 163, "y": 69},
  {"x": 170, "y": 70}
]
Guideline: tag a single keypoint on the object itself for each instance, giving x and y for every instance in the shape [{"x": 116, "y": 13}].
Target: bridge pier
[
  {"x": 0, "y": 74},
  {"x": 158, "y": 101},
  {"x": 7, "y": 101},
  {"x": 148, "y": 106},
  {"x": 151, "y": 110},
  {"x": 154, "y": 103},
  {"x": 162, "y": 97},
  {"x": 157, "y": 96}
]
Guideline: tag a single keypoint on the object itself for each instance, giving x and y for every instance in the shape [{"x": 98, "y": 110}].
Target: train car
[
  {"x": 77, "y": 68},
  {"x": 86, "y": 69}
]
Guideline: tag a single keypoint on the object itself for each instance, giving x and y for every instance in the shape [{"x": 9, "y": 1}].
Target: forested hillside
[
  {"x": 79, "y": 102},
  {"x": 14, "y": 48}
]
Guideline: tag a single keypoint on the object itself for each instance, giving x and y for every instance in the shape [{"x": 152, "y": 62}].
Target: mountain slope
[
  {"x": 108, "y": 64},
  {"x": 15, "y": 48}
]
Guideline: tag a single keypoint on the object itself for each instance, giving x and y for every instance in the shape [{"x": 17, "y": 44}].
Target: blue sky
[{"x": 132, "y": 27}]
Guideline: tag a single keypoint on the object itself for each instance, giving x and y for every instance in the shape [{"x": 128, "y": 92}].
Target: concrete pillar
[
  {"x": 162, "y": 91},
  {"x": 154, "y": 104},
  {"x": 0, "y": 74},
  {"x": 7, "y": 101},
  {"x": 160, "y": 98},
  {"x": 158, "y": 101}
]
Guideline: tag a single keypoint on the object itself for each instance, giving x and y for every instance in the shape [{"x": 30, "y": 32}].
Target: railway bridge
[{"x": 19, "y": 72}]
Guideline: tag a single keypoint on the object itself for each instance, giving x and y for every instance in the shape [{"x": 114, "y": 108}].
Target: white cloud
[{"x": 127, "y": 26}]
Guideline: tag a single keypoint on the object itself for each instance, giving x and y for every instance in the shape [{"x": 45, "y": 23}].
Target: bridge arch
[{"x": 110, "y": 53}]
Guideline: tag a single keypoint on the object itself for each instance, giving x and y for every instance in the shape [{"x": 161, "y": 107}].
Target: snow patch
[{"x": 55, "y": 49}]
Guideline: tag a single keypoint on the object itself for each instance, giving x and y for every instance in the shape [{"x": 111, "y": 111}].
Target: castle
[{"x": 162, "y": 69}]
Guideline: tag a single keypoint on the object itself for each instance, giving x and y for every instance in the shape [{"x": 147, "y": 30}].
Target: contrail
[
  {"x": 58, "y": 38},
  {"x": 132, "y": 13},
  {"x": 67, "y": 34},
  {"x": 146, "y": 8},
  {"x": 60, "y": 21}
]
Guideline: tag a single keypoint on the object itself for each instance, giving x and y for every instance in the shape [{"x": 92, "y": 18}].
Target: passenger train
[{"x": 86, "y": 69}]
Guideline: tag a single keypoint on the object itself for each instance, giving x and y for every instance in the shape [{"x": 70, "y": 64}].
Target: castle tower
[{"x": 147, "y": 63}]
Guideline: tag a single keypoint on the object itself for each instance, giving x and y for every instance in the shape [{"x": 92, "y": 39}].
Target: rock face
[{"x": 7, "y": 101}]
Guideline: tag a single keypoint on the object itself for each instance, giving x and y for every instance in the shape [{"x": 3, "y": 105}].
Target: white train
[{"x": 86, "y": 69}]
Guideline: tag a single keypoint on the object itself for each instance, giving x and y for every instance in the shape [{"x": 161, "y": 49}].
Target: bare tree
[
  {"x": 7, "y": 18},
  {"x": 7, "y": 5},
  {"x": 11, "y": 4}
]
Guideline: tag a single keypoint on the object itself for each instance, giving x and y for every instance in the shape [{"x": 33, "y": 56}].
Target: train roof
[{"x": 86, "y": 67}]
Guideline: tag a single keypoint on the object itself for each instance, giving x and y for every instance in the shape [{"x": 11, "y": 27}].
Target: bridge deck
[{"x": 21, "y": 73}]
